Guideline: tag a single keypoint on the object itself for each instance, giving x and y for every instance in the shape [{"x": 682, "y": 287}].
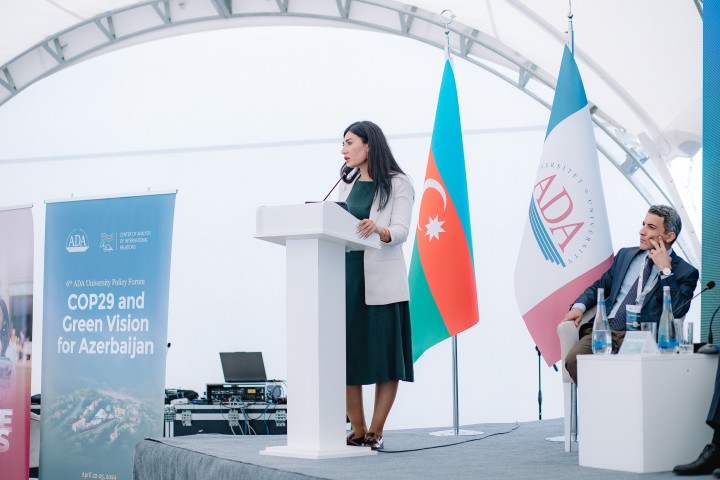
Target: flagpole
[
  {"x": 571, "y": 31},
  {"x": 455, "y": 432},
  {"x": 456, "y": 402},
  {"x": 447, "y": 17}
]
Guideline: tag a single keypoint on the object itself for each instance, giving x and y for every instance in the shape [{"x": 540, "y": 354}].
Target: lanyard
[{"x": 639, "y": 296}]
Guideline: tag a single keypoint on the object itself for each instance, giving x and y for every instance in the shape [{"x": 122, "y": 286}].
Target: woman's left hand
[{"x": 366, "y": 228}]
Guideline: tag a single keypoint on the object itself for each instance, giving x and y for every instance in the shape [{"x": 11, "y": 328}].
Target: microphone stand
[
  {"x": 169, "y": 415},
  {"x": 333, "y": 188},
  {"x": 347, "y": 175},
  {"x": 709, "y": 348},
  {"x": 710, "y": 285},
  {"x": 540, "y": 381}
]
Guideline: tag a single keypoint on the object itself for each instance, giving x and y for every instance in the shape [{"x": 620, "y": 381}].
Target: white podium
[
  {"x": 316, "y": 237},
  {"x": 643, "y": 413}
]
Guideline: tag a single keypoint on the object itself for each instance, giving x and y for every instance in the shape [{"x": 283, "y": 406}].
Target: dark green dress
[{"x": 378, "y": 340}]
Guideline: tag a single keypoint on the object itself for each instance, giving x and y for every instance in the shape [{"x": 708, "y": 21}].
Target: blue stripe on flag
[
  {"x": 542, "y": 237},
  {"x": 447, "y": 148},
  {"x": 569, "y": 93},
  {"x": 538, "y": 232}
]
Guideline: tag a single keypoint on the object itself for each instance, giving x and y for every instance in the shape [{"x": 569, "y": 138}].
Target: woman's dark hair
[
  {"x": 381, "y": 163},
  {"x": 5, "y": 329}
]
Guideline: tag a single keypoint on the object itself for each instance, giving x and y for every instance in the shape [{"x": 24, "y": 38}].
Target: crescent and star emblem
[{"x": 434, "y": 226}]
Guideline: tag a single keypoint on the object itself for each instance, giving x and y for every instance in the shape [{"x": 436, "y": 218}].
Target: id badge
[{"x": 632, "y": 317}]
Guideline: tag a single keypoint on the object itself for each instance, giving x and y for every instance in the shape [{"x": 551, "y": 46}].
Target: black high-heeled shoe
[
  {"x": 373, "y": 440},
  {"x": 353, "y": 441}
]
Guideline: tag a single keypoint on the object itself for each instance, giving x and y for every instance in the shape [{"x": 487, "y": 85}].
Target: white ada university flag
[{"x": 566, "y": 243}]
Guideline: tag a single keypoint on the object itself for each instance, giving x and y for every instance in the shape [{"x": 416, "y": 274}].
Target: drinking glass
[
  {"x": 650, "y": 327},
  {"x": 686, "y": 339}
]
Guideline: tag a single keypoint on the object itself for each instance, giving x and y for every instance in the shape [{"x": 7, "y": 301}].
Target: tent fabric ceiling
[
  {"x": 641, "y": 60},
  {"x": 636, "y": 55}
]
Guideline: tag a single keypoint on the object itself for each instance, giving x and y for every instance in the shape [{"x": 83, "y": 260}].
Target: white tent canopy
[
  {"x": 645, "y": 54},
  {"x": 641, "y": 60}
]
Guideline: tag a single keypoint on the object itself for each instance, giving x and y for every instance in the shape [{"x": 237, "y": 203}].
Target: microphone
[
  {"x": 709, "y": 286},
  {"x": 709, "y": 348},
  {"x": 347, "y": 175}
]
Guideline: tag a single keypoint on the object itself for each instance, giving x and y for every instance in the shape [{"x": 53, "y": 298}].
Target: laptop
[{"x": 243, "y": 367}]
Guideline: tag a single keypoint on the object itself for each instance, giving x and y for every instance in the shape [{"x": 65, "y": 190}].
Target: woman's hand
[{"x": 367, "y": 227}]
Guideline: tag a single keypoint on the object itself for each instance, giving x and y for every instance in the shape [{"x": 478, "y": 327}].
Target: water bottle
[
  {"x": 601, "y": 338},
  {"x": 667, "y": 335}
]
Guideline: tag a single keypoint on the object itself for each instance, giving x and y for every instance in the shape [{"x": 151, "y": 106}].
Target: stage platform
[{"x": 508, "y": 451}]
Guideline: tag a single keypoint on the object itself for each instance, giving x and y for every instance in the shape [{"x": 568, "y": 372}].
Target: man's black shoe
[{"x": 706, "y": 463}]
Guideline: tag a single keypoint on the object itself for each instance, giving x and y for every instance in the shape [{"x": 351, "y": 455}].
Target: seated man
[{"x": 660, "y": 267}]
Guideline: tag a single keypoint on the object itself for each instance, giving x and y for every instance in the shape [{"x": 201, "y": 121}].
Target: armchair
[{"x": 568, "y": 335}]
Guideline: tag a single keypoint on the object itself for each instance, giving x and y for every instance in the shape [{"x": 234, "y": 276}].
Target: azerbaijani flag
[
  {"x": 566, "y": 244},
  {"x": 443, "y": 295}
]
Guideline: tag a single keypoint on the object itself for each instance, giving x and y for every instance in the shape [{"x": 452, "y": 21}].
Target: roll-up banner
[
  {"x": 107, "y": 271},
  {"x": 16, "y": 315}
]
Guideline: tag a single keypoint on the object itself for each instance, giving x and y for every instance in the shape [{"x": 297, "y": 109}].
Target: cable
[
  {"x": 270, "y": 393},
  {"x": 264, "y": 417},
  {"x": 227, "y": 419},
  {"x": 244, "y": 429},
  {"x": 236, "y": 403},
  {"x": 451, "y": 444},
  {"x": 248, "y": 427}
]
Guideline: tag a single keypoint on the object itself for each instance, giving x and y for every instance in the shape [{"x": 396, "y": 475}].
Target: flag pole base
[
  {"x": 561, "y": 438},
  {"x": 456, "y": 433}
]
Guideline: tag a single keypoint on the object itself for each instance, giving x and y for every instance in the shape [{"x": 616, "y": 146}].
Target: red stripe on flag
[
  {"x": 445, "y": 254},
  {"x": 542, "y": 320}
]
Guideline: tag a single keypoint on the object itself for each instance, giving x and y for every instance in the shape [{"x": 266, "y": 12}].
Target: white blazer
[{"x": 386, "y": 276}]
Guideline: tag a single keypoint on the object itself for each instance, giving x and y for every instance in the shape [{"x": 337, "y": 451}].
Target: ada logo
[
  {"x": 553, "y": 218},
  {"x": 77, "y": 241}
]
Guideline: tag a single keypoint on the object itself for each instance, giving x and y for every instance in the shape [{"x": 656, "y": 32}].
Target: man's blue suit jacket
[{"x": 682, "y": 284}]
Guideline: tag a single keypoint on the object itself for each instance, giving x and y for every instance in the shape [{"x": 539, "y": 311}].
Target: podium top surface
[{"x": 321, "y": 220}]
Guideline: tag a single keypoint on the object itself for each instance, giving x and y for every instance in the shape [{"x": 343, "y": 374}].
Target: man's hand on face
[{"x": 659, "y": 254}]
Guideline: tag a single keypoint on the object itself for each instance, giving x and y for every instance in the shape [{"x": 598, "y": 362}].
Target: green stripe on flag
[{"x": 428, "y": 327}]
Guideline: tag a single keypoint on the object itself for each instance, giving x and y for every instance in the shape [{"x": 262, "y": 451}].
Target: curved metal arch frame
[{"x": 163, "y": 18}]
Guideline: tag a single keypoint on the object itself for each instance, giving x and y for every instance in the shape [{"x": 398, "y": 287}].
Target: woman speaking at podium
[{"x": 378, "y": 342}]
